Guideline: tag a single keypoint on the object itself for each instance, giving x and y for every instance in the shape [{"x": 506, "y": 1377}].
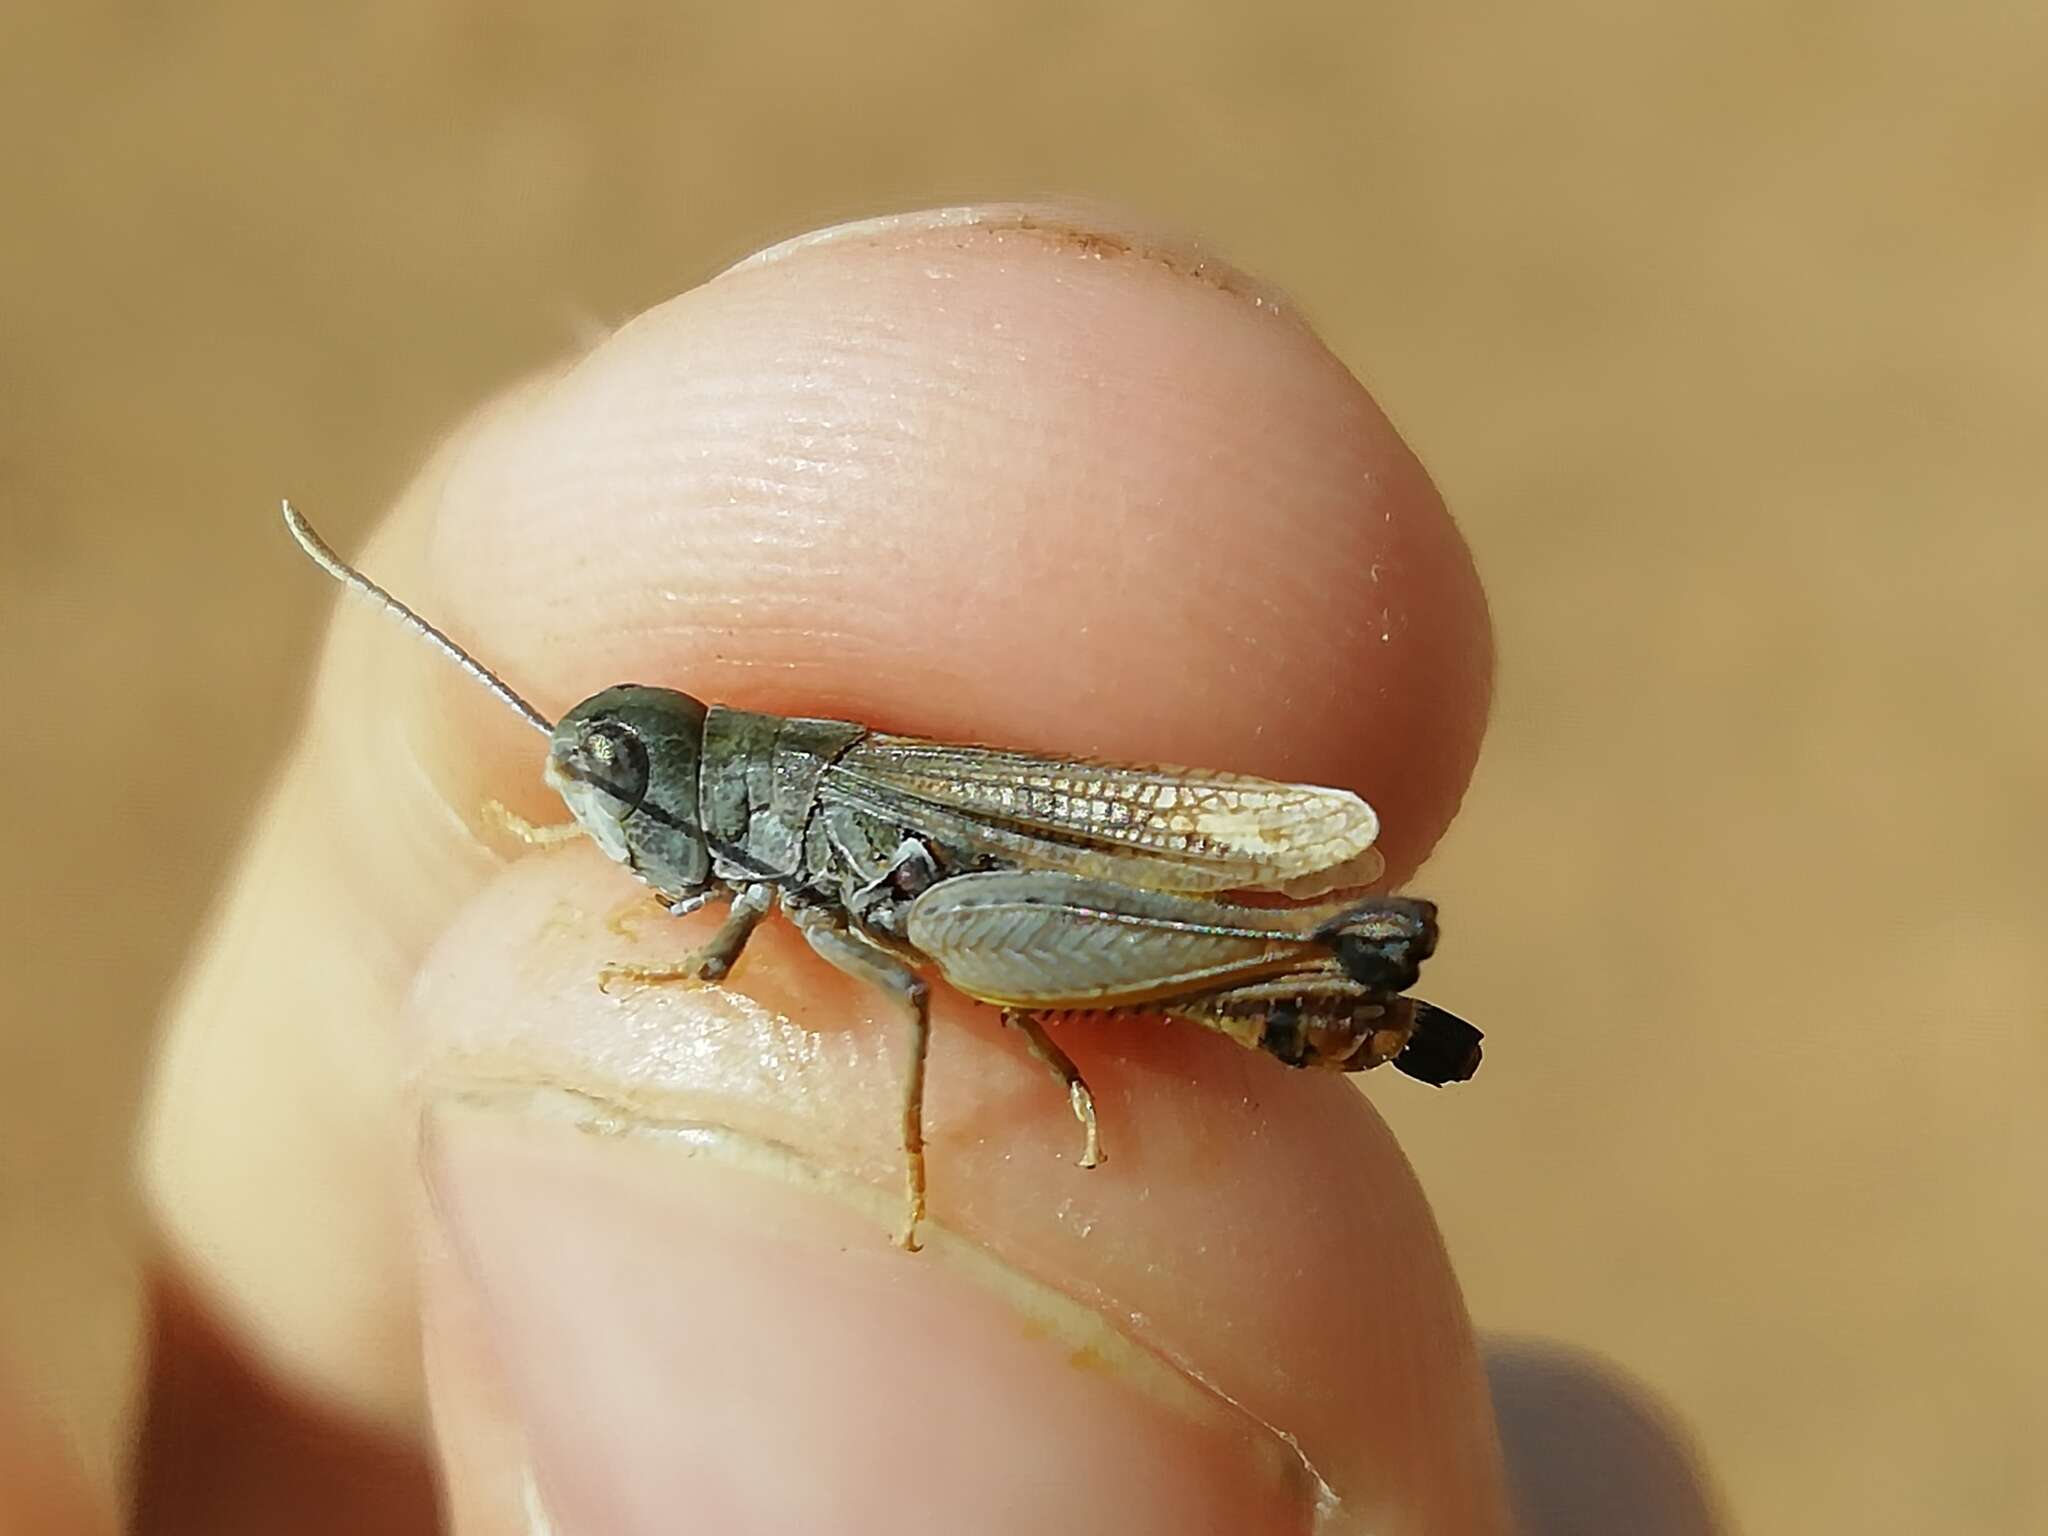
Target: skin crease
[{"x": 983, "y": 483}]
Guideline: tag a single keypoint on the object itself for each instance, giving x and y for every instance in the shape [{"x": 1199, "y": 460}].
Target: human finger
[{"x": 999, "y": 478}]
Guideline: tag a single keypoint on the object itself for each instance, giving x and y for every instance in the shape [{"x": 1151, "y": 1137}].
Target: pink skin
[{"x": 984, "y": 482}]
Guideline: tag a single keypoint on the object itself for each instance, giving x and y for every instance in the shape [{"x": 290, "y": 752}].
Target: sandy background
[{"x": 1724, "y": 332}]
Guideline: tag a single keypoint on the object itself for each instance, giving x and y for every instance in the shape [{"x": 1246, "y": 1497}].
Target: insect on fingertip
[{"x": 1046, "y": 884}]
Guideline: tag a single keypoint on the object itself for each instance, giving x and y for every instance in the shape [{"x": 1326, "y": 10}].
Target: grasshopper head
[{"x": 625, "y": 763}]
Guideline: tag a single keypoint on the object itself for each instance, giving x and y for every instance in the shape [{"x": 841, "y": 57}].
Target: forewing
[{"x": 1173, "y": 829}]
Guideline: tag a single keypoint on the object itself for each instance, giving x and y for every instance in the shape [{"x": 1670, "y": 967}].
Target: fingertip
[
  {"x": 1255, "y": 1228},
  {"x": 699, "y": 1334},
  {"x": 1034, "y": 486}
]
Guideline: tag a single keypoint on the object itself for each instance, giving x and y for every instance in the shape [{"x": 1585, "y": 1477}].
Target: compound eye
[{"x": 615, "y": 760}]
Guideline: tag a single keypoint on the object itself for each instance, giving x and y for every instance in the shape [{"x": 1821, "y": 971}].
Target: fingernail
[
  {"x": 698, "y": 1330},
  {"x": 1091, "y": 230}
]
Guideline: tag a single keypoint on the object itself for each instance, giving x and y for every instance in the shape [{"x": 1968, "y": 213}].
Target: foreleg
[{"x": 715, "y": 959}]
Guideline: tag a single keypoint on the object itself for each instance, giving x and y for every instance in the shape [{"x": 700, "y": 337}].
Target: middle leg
[{"x": 861, "y": 957}]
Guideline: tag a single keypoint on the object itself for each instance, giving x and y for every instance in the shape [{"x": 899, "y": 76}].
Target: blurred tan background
[{"x": 1723, "y": 328}]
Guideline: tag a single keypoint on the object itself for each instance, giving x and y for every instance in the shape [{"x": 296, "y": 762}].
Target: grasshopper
[{"x": 1043, "y": 885}]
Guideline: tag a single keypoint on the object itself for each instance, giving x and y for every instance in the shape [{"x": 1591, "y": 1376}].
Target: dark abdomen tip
[{"x": 1442, "y": 1049}]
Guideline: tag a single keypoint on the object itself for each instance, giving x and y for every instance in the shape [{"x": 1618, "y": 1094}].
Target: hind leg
[{"x": 1063, "y": 1068}]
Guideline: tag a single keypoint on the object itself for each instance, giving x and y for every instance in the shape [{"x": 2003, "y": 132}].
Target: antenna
[{"x": 325, "y": 557}]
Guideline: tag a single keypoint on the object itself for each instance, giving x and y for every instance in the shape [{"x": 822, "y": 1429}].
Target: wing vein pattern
[{"x": 1171, "y": 829}]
